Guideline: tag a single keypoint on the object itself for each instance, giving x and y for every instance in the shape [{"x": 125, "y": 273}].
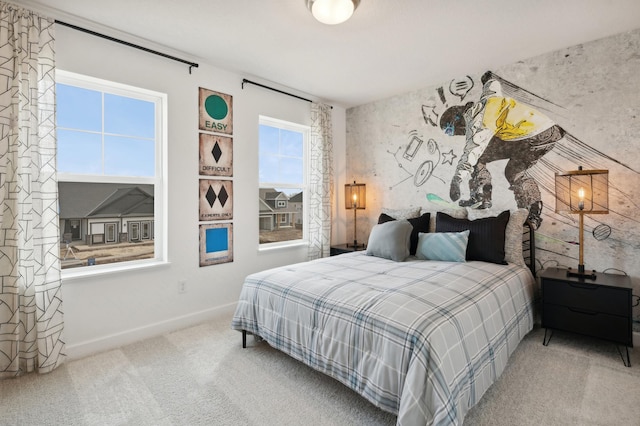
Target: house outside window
[
  {"x": 110, "y": 153},
  {"x": 283, "y": 174}
]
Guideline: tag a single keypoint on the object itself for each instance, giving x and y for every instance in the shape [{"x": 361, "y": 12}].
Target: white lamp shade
[{"x": 332, "y": 12}]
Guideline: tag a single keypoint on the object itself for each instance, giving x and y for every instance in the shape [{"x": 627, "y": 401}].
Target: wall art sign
[
  {"x": 216, "y": 199},
  {"x": 216, "y": 111},
  {"x": 216, "y": 243},
  {"x": 215, "y": 152},
  {"x": 216, "y": 155}
]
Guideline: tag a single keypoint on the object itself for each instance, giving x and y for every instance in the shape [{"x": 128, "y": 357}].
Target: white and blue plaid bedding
[{"x": 420, "y": 339}]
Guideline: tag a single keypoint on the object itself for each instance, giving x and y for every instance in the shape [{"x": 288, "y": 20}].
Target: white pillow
[
  {"x": 446, "y": 246},
  {"x": 457, "y": 213},
  {"x": 399, "y": 214},
  {"x": 513, "y": 232},
  {"x": 390, "y": 240}
]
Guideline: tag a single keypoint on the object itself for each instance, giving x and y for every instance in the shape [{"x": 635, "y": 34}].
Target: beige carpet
[{"x": 202, "y": 376}]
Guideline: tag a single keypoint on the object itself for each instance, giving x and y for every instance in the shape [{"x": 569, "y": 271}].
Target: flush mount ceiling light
[{"x": 332, "y": 12}]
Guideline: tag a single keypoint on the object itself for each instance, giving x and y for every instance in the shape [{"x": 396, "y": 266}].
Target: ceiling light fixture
[{"x": 332, "y": 12}]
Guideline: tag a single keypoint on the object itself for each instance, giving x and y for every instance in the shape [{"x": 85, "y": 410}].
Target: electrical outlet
[{"x": 182, "y": 286}]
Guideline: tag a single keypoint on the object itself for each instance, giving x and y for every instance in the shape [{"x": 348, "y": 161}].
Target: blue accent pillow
[{"x": 446, "y": 246}]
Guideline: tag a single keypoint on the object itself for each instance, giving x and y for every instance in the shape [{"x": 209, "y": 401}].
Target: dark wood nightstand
[
  {"x": 344, "y": 248},
  {"x": 599, "y": 308}
]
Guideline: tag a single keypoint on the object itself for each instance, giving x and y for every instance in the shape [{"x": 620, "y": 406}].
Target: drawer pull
[{"x": 583, "y": 311}]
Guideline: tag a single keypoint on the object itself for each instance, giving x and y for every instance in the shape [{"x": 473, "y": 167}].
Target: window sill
[
  {"x": 74, "y": 274},
  {"x": 285, "y": 245}
]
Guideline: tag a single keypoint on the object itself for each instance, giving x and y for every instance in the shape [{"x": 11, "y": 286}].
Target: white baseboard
[{"x": 113, "y": 341}]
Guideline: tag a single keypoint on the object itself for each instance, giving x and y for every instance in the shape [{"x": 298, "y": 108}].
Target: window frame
[
  {"x": 159, "y": 181},
  {"x": 304, "y": 185}
]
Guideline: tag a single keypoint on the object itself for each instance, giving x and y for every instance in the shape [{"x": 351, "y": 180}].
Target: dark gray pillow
[
  {"x": 486, "y": 238},
  {"x": 390, "y": 240},
  {"x": 420, "y": 224}
]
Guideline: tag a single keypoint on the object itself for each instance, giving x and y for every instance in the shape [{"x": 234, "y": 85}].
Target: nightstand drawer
[
  {"x": 587, "y": 297},
  {"x": 592, "y": 323}
]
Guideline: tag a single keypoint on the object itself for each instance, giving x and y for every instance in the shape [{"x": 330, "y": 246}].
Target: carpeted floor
[{"x": 202, "y": 376}]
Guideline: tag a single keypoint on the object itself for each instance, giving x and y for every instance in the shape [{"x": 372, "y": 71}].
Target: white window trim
[
  {"x": 306, "y": 131},
  {"x": 160, "y": 182}
]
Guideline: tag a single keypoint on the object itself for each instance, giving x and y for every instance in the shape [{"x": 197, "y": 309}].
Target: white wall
[{"x": 107, "y": 311}]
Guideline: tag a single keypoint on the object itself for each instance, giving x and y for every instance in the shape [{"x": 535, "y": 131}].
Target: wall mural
[
  {"x": 501, "y": 125},
  {"x": 491, "y": 141}
]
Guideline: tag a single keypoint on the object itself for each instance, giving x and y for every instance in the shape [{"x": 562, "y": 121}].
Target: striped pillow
[
  {"x": 486, "y": 240},
  {"x": 447, "y": 246}
]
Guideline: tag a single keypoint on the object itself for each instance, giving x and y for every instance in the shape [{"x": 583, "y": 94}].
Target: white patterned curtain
[
  {"x": 321, "y": 183},
  {"x": 30, "y": 302}
]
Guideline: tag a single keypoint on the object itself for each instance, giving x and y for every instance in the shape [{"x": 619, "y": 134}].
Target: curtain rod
[
  {"x": 126, "y": 43},
  {"x": 244, "y": 80}
]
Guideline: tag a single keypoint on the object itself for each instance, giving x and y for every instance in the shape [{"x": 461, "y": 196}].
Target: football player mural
[{"x": 499, "y": 127}]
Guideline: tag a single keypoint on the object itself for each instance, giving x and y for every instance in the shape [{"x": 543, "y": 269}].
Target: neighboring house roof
[
  {"x": 85, "y": 200},
  {"x": 275, "y": 195},
  {"x": 125, "y": 202},
  {"x": 268, "y": 198},
  {"x": 264, "y": 207},
  {"x": 296, "y": 198}
]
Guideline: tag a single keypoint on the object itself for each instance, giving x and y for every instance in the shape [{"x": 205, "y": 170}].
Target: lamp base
[
  {"x": 581, "y": 273},
  {"x": 355, "y": 245}
]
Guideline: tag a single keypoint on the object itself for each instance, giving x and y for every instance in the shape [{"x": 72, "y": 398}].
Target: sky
[
  {"x": 281, "y": 155},
  {"x": 104, "y": 134}
]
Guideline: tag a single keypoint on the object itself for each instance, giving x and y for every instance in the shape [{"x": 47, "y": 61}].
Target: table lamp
[
  {"x": 355, "y": 197},
  {"x": 582, "y": 192}
]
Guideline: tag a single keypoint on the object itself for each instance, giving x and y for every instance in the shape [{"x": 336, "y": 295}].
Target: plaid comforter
[{"x": 420, "y": 339}]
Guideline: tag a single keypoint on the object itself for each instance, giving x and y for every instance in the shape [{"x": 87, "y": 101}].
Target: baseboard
[{"x": 113, "y": 341}]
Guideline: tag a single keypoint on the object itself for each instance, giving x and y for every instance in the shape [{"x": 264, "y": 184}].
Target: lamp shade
[
  {"x": 585, "y": 191},
  {"x": 332, "y": 12},
  {"x": 355, "y": 196}
]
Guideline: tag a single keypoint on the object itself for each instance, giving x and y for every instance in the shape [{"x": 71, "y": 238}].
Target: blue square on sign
[{"x": 217, "y": 239}]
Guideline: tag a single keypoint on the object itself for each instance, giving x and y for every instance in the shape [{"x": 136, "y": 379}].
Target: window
[
  {"x": 111, "y": 148},
  {"x": 283, "y": 182}
]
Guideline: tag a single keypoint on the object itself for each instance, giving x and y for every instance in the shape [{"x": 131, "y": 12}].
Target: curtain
[
  {"x": 321, "y": 182},
  {"x": 30, "y": 301}
]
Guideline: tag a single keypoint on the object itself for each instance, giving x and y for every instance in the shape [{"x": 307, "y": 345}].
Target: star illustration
[{"x": 448, "y": 157}]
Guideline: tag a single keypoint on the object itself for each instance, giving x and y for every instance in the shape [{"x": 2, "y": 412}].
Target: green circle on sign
[{"x": 216, "y": 107}]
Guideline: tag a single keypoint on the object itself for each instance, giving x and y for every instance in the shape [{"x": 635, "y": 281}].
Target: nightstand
[
  {"x": 344, "y": 248},
  {"x": 599, "y": 308}
]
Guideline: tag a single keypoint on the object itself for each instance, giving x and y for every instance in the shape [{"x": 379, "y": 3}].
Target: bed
[{"x": 422, "y": 339}]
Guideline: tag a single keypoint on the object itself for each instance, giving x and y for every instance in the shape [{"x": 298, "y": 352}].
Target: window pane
[
  {"x": 269, "y": 140},
  {"x": 268, "y": 168},
  {"x": 281, "y": 214},
  {"x": 105, "y": 209},
  {"x": 290, "y": 170},
  {"x": 281, "y": 169},
  {"x": 128, "y": 156},
  {"x": 281, "y": 152},
  {"x": 78, "y": 108},
  {"x": 291, "y": 143},
  {"x": 128, "y": 116},
  {"x": 79, "y": 152}
]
